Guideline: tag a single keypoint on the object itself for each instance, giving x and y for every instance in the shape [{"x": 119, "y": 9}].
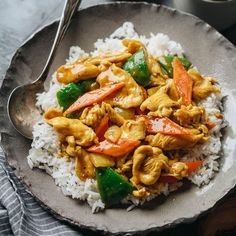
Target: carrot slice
[
  {"x": 192, "y": 166},
  {"x": 102, "y": 128},
  {"x": 183, "y": 82},
  {"x": 122, "y": 147},
  {"x": 163, "y": 125},
  {"x": 94, "y": 96},
  {"x": 210, "y": 125}
]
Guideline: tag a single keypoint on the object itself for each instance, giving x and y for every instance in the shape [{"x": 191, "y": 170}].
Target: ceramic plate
[{"x": 207, "y": 49}]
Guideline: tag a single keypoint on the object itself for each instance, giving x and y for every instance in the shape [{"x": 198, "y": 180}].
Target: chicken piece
[
  {"x": 131, "y": 129},
  {"x": 148, "y": 163},
  {"x": 127, "y": 114},
  {"x": 172, "y": 161},
  {"x": 160, "y": 104},
  {"x": 189, "y": 115},
  {"x": 172, "y": 92},
  {"x": 141, "y": 193},
  {"x": 130, "y": 95},
  {"x": 154, "y": 67},
  {"x": 71, "y": 147},
  {"x": 200, "y": 129},
  {"x": 87, "y": 67},
  {"x": 92, "y": 116},
  {"x": 202, "y": 87},
  {"x": 83, "y": 134},
  {"x": 127, "y": 166},
  {"x": 156, "y": 76},
  {"x": 109, "y": 57},
  {"x": 134, "y": 129},
  {"x": 124, "y": 166},
  {"x": 113, "y": 115},
  {"x": 104, "y": 65},
  {"x": 179, "y": 170},
  {"x": 100, "y": 160},
  {"x": 169, "y": 142},
  {"x": 76, "y": 71},
  {"x": 113, "y": 133},
  {"x": 152, "y": 90},
  {"x": 84, "y": 168},
  {"x": 132, "y": 45},
  {"x": 52, "y": 113},
  {"x": 157, "y": 80}
]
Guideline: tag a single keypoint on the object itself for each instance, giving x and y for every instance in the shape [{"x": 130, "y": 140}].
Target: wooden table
[{"x": 20, "y": 18}]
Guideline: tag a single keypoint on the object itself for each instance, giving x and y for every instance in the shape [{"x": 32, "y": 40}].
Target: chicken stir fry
[
  {"x": 127, "y": 119},
  {"x": 129, "y": 96}
]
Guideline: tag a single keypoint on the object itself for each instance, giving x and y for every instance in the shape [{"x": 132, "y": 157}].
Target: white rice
[{"x": 45, "y": 146}]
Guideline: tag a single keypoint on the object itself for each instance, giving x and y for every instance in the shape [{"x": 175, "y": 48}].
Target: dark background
[{"x": 20, "y": 18}]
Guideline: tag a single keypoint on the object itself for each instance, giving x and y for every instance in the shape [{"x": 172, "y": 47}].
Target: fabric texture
[{"x": 20, "y": 214}]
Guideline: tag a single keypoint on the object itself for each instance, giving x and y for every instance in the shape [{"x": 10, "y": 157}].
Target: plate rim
[{"x": 229, "y": 45}]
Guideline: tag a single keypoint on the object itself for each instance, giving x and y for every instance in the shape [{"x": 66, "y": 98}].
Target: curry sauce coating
[
  {"x": 129, "y": 96},
  {"x": 160, "y": 104},
  {"x": 84, "y": 135},
  {"x": 92, "y": 116}
]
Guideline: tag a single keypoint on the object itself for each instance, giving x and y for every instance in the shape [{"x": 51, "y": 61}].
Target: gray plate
[{"x": 206, "y": 48}]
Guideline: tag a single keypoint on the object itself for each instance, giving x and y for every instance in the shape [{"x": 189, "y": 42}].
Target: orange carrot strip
[
  {"x": 163, "y": 125},
  {"x": 94, "y": 96},
  {"x": 218, "y": 115},
  {"x": 183, "y": 82},
  {"x": 122, "y": 147},
  {"x": 192, "y": 166},
  {"x": 210, "y": 125},
  {"x": 102, "y": 128}
]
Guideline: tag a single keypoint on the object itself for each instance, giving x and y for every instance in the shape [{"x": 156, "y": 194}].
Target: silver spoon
[{"x": 21, "y": 107}]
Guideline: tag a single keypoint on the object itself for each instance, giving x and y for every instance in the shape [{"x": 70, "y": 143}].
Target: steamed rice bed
[{"x": 46, "y": 146}]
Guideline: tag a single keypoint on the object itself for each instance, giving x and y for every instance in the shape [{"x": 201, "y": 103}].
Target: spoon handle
[{"x": 69, "y": 9}]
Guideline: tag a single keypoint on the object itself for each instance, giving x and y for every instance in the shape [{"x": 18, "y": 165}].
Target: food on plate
[{"x": 128, "y": 122}]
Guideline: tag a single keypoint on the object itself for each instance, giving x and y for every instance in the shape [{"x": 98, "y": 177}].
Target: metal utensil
[{"x": 21, "y": 107}]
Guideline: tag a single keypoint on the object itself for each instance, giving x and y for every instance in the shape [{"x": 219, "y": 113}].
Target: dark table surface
[{"x": 20, "y": 18}]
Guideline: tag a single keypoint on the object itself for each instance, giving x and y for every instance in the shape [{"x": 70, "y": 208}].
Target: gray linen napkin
[{"x": 20, "y": 214}]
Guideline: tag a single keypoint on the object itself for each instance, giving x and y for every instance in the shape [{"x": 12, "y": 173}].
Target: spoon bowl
[
  {"x": 22, "y": 111},
  {"x": 21, "y": 106}
]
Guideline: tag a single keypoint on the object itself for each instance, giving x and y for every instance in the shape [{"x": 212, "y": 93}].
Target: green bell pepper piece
[
  {"x": 72, "y": 91},
  {"x": 112, "y": 186},
  {"x": 186, "y": 63},
  {"x": 67, "y": 95},
  {"x": 166, "y": 64},
  {"x": 86, "y": 84},
  {"x": 136, "y": 65}
]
